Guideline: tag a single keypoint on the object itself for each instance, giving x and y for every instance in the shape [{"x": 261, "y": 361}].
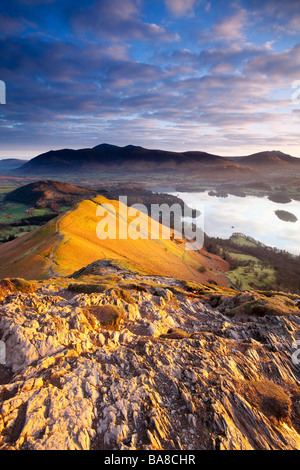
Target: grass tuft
[
  {"x": 268, "y": 397},
  {"x": 109, "y": 316},
  {"x": 175, "y": 333}
]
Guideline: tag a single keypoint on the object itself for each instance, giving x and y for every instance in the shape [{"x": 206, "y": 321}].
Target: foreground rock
[{"x": 156, "y": 364}]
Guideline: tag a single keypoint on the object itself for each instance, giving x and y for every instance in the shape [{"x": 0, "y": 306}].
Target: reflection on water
[{"x": 253, "y": 216}]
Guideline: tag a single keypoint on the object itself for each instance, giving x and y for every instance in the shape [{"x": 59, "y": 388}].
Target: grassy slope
[
  {"x": 248, "y": 277},
  {"x": 69, "y": 242},
  {"x": 29, "y": 256},
  {"x": 81, "y": 246},
  {"x": 241, "y": 240},
  {"x": 14, "y": 212},
  {"x": 254, "y": 276}
]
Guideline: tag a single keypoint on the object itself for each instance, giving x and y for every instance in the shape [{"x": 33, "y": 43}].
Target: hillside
[
  {"x": 256, "y": 266},
  {"x": 43, "y": 194},
  {"x": 54, "y": 194},
  {"x": 147, "y": 363},
  {"x": 32, "y": 205},
  {"x": 131, "y": 158},
  {"x": 273, "y": 159},
  {"x": 69, "y": 242}
]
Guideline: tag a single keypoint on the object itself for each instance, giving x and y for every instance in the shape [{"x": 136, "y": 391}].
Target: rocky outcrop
[{"x": 158, "y": 368}]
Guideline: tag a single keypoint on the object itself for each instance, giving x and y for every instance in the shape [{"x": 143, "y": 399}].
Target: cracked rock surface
[{"x": 161, "y": 367}]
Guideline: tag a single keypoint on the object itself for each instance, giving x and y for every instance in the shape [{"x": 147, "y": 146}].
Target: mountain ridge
[
  {"x": 272, "y": 158},
  {"x": 137, "y": 159},
  {"x": 106, "y": 156},
  {"x": 69, "y": 242}
]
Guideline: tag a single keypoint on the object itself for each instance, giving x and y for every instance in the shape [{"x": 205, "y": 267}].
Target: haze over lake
[{"x": 252, "y": 216}]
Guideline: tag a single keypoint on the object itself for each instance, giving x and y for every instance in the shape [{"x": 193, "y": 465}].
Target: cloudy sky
[{"x": 218, "y": 76}]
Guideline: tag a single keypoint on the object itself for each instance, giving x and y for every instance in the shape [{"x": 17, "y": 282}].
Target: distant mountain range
[
  {"x": 8, "y": 164},
  {"x": 131, "y": 158},
  {"x": 106, "y": 157}
]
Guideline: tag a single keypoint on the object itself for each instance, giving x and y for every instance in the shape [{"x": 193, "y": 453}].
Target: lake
[{"x": 252, "y": 216}]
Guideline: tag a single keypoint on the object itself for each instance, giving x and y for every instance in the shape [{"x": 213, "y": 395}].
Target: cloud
[
  {"x": 11, "y": 26},
  {"x": 226, "y": 30},
  {"x": 118, "y": 20},
  {"x": 281, "y": 19},
  {"x": 36, "y": 2},
  {"x": 224, "y": 59},
  {"x": 135, "y": 71},
  {"x": 181, "y": 7},
  {"x": 73, "y": 89},
  {"x": 230, "y": 29},
  {"x": 96, "y": 80},
  {"x": 276, "y": 67}
]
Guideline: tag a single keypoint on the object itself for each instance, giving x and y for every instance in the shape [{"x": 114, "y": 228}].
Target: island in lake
[{"x": 286, "y": 216}]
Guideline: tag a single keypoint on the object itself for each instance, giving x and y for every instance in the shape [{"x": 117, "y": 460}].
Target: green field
[
  {"x": 16, "y": 231},
  {"x": 252, "y": 277},
  {"x": 12, "y": 212},
  {"x": 242, "y": 240},
  {"x": 6, "y": 188},
  {"x": 250, "y": 273},
  {"x": 242, "y": 257}
]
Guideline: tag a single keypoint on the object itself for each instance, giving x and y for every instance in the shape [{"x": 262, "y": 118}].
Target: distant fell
[
  {"x": 128, "y": 159},
  {"x": 274, "y": 158},
  {"x": 8, "y": 164},
  {"x": 46, "y": 193}
]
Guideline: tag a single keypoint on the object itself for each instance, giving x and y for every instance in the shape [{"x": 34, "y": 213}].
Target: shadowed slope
[
  {"x": 272, "y": 159},
  {"x": 131, "y": 158}
]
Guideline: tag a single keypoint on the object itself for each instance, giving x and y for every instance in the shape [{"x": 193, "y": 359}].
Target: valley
[{"x": 25, "y": 209}]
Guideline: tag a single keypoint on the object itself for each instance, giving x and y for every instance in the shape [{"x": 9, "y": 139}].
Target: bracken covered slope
[
  {"x": 110, "y": 359},
  {"x": 70, "y": 242}
]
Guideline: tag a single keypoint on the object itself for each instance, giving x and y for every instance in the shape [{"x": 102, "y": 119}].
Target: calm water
[{"x": 250, "y": 215}]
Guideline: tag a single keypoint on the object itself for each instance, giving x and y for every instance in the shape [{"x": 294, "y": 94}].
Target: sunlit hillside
[{"x": 70, "y": 242}]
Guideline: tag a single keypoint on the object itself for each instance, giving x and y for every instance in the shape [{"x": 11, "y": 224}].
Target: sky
[{"x": 216, "y": 76}]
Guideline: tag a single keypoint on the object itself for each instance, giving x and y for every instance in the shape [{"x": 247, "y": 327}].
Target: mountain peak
[
  {"x": 130, "y": 147},
  {"x": 105, "y": 146}
]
